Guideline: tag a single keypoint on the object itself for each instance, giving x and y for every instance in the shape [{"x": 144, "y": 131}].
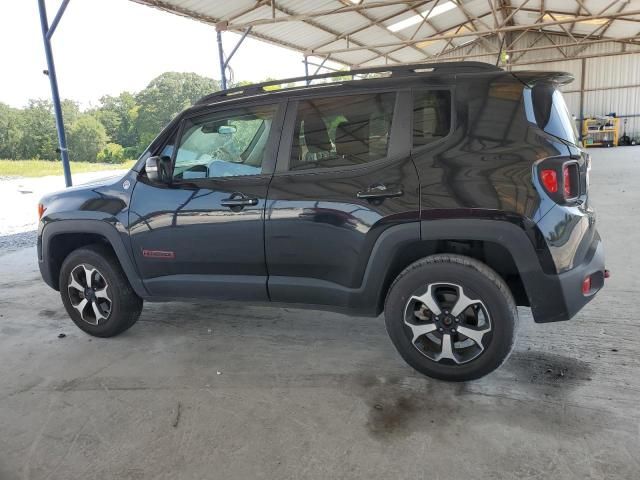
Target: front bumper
[{"x": 45, "y": 272}]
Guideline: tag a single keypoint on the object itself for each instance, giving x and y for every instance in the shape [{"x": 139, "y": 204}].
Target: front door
[{"x": 201, "y": 235}]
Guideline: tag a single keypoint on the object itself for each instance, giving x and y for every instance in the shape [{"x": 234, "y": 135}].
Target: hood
[
  {"x": 82, "y": 187},
  {"x": 109, "y": 194}
]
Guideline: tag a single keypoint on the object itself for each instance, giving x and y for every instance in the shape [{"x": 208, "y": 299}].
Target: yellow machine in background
[{"x": 600, "y": 132}]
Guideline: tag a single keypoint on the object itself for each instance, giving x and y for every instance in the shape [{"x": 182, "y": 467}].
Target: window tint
[
  {"x": 431, "y": 116},
  {"x": 342, "y": 131},
  {"x": 545, "y": 106},
  {"x": 224, "y": 144}
]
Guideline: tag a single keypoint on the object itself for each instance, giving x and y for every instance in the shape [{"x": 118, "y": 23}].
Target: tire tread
[
  {"x": 471, "y": 263},
  {"x": 130, "y": 305}
]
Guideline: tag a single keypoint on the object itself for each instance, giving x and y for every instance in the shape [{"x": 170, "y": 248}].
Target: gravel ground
[
  {"x": 15, "y": 241},
  {"x": 19, "y": 199}
]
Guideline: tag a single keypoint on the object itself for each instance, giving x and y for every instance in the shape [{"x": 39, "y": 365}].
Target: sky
[{"x": 108, "y": 46}]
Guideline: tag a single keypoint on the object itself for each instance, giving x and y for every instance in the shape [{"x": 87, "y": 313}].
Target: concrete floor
[{"x": 203, "y": 391}]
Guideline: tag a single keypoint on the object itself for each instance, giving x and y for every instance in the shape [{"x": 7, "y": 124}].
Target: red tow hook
[{"x": 607, "y": 273}]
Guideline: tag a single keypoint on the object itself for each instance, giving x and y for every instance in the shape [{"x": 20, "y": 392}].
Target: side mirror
[{"x": 152, "y": 167}]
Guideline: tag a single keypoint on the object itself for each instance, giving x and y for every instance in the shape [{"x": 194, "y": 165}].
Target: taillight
[
  {"x": 566, "y": 179},
  {"x": 41, "y": 210},
  {"x": 561, "y": 179},
  {"x": 549, "y": 180},
  {"x": 571, "y": 180},
  {"x": 586, "y": 286}
]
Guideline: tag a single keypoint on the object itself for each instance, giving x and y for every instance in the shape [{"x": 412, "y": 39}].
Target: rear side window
[
  {"x": 431, "y": 116},
  {"x": 341, "y": 131}
]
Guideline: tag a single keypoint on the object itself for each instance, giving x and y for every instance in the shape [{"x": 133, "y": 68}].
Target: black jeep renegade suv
[{"x": 441, "y": 194}]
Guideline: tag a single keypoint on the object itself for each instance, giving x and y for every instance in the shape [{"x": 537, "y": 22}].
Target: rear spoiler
[{"x": 530, "y": 77}]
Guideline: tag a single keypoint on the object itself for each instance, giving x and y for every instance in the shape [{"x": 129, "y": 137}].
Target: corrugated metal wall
[{"x": 611, "y": 83}]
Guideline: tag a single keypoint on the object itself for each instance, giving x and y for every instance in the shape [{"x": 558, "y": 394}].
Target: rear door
[
  {"x": 202, "y": 235},
  {"x": 344, "y": 175}
]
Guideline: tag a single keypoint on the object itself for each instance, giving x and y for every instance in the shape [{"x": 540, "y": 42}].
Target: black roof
[{"x": 393, "y": 71}]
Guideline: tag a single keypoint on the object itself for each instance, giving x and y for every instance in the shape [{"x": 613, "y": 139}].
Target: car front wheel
[{"x": 96, "y": 293}]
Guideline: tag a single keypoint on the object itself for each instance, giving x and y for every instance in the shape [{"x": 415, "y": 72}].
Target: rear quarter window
[
  {"x": 431, "y": 116},
  {"x": 545, "y": 107}
]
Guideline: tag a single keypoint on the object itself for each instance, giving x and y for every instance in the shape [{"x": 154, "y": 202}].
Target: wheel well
[
  {"x": 491, "y": 254},
  {"x": 63, "y": 244}
]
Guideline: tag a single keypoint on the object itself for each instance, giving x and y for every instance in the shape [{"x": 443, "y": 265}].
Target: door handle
[
  {"x": 238, "y": 200},
  {"x": 381, "y": 190}
]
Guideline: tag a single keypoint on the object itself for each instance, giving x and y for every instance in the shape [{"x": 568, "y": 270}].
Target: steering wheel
[{"x": 226, "y": 154}]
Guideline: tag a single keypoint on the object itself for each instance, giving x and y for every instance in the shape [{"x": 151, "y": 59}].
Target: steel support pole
[
  {"x": 223, "y": 75},
  {"x": 583, "y": 69},
  {"x": 55, "y": 96},
  {"x": 306, "y": 69}
]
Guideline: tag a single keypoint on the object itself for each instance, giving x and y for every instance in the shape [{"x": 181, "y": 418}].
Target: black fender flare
[
  {"x": 90, "y": 226},
  {"x": 542, "y": 289},
  {"x": 504, "y": 233}
]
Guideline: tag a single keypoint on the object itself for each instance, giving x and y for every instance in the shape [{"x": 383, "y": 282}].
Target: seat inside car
[
  {"x": 316, "y": 138},
  {"x": 352, "y": 140}
]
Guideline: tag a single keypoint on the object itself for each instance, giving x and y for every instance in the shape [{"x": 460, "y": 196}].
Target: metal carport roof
[{"x": 370, "y": 32}]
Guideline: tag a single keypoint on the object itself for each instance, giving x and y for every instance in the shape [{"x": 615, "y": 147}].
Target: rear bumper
[{"x": 562, "y": 297}]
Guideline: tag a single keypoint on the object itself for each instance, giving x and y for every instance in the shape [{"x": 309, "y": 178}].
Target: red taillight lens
[
  {"x": 567, "y": 181},
  {"x": 561, "y": 180},
  {"x": 41, "y": 209},
  {"x": 586, "y": 286},
  {"x": 549, "y": 180}
]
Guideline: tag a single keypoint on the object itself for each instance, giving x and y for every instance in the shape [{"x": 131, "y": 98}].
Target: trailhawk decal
[{"x": 168, "y": 255}]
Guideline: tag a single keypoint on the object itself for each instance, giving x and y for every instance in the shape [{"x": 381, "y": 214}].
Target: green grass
[{"x": 41, "y": 168}]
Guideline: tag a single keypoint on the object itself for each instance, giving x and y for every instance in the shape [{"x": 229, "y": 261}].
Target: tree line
[{"x": 119, "y": 128}]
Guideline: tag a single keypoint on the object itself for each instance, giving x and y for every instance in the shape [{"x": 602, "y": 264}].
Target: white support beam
[{"x": 513, "y": 28}]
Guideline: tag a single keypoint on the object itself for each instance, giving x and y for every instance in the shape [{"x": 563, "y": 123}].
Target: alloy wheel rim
[
  {"x": 446, "y": 325},
  {"x": 87, "y": 289}
]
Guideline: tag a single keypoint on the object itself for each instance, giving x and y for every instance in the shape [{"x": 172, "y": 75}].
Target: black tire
[
  {"x": 124, "y": 305},
  {"x": 479, "y": 283}
]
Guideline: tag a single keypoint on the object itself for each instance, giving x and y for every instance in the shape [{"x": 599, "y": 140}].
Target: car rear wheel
[
  {"x": 451, "y": 317},
  {"x": 96, "y": 293}
]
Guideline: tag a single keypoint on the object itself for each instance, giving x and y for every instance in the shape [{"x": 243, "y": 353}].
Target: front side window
[
  {"x": 224, "y": 144},
  {"x": 431, "y": 116},
  {"x": 342, "y": 131}
]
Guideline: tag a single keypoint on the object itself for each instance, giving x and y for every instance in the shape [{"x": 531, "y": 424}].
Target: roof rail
[{"x": 393, "y": 71}]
